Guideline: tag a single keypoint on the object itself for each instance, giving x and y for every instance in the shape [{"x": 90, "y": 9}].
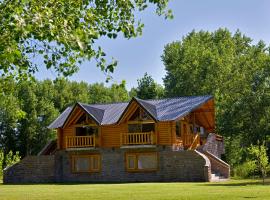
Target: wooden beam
[{"x": 203, "y": 110}]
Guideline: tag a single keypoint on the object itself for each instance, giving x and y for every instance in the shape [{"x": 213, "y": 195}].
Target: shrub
[
  {"x": 8, "y": 160},
  {"x": 245, "y": 170}
]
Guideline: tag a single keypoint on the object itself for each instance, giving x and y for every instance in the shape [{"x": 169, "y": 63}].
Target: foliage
[
  {"x": 147, "y": 88},
  {"x": 8, "y": 160},
  {"x": 258, "y": 152},
  {"x": 235, "y": 151},
  {"x": 245, "y": 170},
  {"x": 64, "y": 33},
  {"x": 231, "y": 68},
  {"x": 28, "y": 107}
]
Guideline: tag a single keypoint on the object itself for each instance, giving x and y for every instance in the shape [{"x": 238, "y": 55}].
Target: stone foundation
[{"x": 172, "y": 166}]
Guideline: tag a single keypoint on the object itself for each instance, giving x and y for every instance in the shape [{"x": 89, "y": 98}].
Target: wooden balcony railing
[
  {"x": 80, "y": 141},
  {"x": 137, "y": 138}
]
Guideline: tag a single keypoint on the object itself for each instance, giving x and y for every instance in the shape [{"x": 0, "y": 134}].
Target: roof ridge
[
  {"x": 93, "y": 104},
  {"x": 176, "y": 97}
]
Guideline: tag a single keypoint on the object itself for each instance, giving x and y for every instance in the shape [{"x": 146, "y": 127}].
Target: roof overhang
[
  {"x": 78, "y": 105},
  {"x": 134, "y": 100}
]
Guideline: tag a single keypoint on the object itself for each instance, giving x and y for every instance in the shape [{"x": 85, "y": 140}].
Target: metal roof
[{"x": 161, "y": 109}]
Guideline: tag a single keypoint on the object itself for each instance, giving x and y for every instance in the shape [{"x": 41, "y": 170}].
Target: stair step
[{"x": 217, "y": 177}]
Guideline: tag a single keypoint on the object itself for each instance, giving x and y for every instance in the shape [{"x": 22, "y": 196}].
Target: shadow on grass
[{"x": 240, "y": 183}]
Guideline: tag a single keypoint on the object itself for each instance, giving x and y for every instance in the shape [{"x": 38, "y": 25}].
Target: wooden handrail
[
  {"x": 80, "y": 141},
  {"x": 195, "y": 142},
  {"x": 137, "y": 138}
]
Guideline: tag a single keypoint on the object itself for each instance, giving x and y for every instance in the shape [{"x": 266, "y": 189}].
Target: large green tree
[
  {"x": 63, "y": 33},
  {"x": 233, "y": 69},
  {"x": 147, "y": 88},
  {"x": 27, "y": 108}
]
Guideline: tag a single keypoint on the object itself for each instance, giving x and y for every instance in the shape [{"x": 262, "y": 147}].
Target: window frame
[
  {"x": 136, "y": 155},
  {"x": 90, "y": 157}
]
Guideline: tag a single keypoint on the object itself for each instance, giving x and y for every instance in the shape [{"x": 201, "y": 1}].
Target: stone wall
[
  {"x": 173, "y": 166},
  {"x": 31, "y": 169},
  {"x": 218, "y": 166},
  {"x": 214, "y": 146}
]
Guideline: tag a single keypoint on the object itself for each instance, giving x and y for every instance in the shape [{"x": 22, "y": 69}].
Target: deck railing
[
  {"x": 80, "y": 141},
  {"x": 137, "y": 138}
]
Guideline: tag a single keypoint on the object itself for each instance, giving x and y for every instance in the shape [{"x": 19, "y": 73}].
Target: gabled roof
[
  {"x": 173, "y": 108},
  {"x": 161, "y": 109},
  {"x": 60, "y": 120}
]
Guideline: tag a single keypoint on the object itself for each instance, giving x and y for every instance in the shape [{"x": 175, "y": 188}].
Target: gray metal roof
[
  {"x": 161, "y": 110},
  {"x": 60, "y": 120},
  {"x": 174, "y": 108}
]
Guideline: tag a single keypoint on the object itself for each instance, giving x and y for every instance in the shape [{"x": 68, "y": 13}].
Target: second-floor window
[
  {"x": 178, "y": 129},
  {"x": 140, "y": 122},
  {"x": 85, "y": 126},
  {"x": 86, "y": 130},
  {"x": 141, "y": 128}
]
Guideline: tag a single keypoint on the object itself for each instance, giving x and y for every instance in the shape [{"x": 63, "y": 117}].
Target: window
[
  {"x": 86, "y": 163},
  {"x": 141, "y": 128},
  {"x": 86, "y": 130},
  {"x": 178, "y": 129},
  {"x": 139, "y": 115},
  {"x": 191, "y": 128},
  {"x": 141, "y": 161}
]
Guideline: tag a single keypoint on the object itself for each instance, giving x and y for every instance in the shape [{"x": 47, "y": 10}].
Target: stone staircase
[
  {"x": 220, "y": 170},
  {"x": 218, "y": 178}
]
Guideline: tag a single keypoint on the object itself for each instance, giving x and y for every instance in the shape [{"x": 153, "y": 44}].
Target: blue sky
[{"x": 142, "y": 54}]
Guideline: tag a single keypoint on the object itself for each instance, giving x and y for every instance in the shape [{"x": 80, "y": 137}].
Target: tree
[
  {"x": 234, "y": 70},
  {"x": 64, "y": 33},
  {"x": 10, "y": 115},
  {"x": 148, "y": 88},
  {"x": 258, "y": 152},
  {"x": 28, "y": 107}
]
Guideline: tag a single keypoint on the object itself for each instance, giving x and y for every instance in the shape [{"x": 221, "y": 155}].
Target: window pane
[
  {"x": 144, "y": 115},
  {"x": 131, "y": 162},
  {"x": 147, "y": 161},
  {"x": 95, "y": 162},
  {"x": 135, "y": 116},
  {"x": 178, "y": 129},
  {"x": 82, "y": 119},
  {"x": 90, "y": 130},
  {"x": 82, "y": 164},
  {"x": 148, "y": 127},
  {"x": 134, "y": 128},
  {"x": 87, "y": 130},
  {"x": 80, "y": 131}
]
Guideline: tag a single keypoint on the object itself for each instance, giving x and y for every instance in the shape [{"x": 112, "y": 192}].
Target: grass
[{"x": 231, "y": 190}]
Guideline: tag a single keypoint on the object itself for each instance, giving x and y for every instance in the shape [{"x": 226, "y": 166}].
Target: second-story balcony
[
  {"x": 144, "y": 138},
  {"x": 80, "y": 141}
]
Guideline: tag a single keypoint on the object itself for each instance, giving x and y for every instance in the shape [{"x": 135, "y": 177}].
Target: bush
[
  {"x": 245, "y": 170},
  {"x": 8, "y": 160}
]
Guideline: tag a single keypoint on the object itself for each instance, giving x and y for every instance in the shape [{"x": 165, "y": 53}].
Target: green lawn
[{"x": 234, "y": 189}]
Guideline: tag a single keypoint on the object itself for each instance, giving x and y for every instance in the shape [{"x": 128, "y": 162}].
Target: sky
[{"x": 143, "y": 54}]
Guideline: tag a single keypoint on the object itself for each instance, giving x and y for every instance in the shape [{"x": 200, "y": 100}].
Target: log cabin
[{"x": 168, "y": 140}]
